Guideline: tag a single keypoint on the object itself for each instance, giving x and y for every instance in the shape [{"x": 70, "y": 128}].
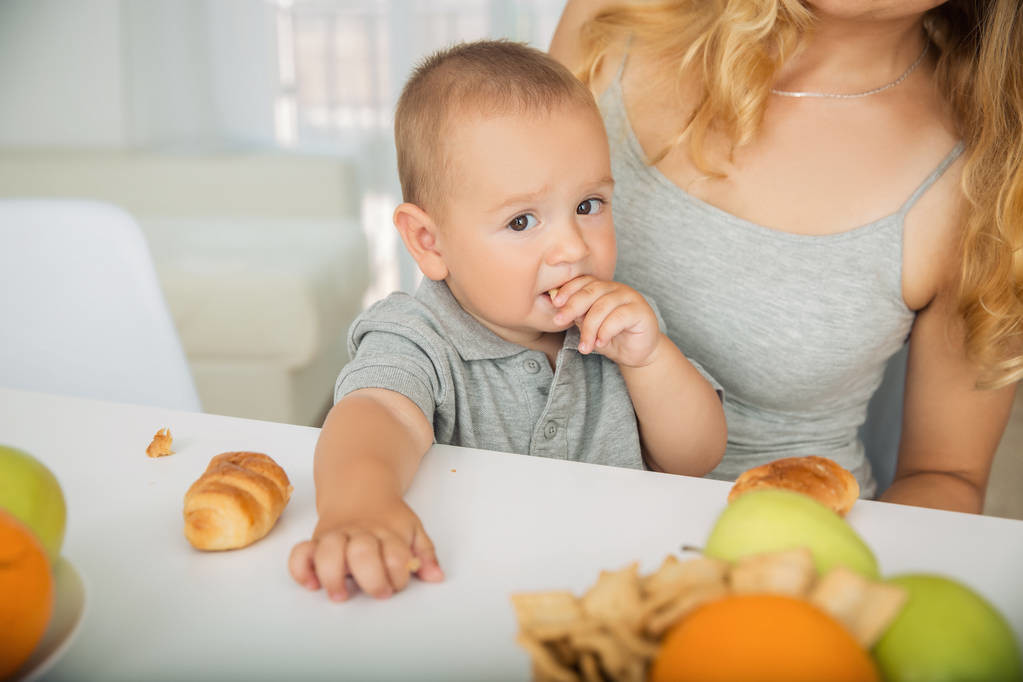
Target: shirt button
[
  {"x": 550, "y": 430},
  {"x": 532, "y": 366}
]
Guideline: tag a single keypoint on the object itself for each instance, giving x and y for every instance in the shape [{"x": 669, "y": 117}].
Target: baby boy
[{"x": 518, "y": 339}]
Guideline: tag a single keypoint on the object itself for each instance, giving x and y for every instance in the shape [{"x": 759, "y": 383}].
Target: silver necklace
[{"x": 835, "y": 95}]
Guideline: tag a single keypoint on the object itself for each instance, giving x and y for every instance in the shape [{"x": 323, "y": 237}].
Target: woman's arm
[{"x": 950, "y": 430}]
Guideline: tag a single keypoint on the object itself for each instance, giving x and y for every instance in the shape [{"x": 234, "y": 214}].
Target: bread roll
[
  {"x": 236, "y": 501},
  {"x": 820, "y": 478}
]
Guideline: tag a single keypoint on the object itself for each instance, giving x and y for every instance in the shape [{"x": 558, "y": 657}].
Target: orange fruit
[
  {"x": 27, "y": 593},
  {"x": 761, "y": 637}
]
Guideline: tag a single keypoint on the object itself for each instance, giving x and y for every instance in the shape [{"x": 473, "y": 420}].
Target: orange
[
  {"x": 761, "y": 637},
  {"x": 26, "y": 593}
]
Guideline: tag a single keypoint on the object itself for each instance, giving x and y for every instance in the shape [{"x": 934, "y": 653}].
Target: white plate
[{"x": 67, "y": 617}]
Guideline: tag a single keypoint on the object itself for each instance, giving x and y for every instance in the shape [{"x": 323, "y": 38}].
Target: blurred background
[{"x": 252, "y": 142}]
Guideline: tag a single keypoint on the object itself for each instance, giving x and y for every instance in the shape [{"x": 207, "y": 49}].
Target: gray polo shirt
[{"x": 481, "y": 391}]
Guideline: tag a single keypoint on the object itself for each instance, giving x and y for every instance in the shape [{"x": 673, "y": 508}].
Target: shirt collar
[{"x": 464, "y": 332}]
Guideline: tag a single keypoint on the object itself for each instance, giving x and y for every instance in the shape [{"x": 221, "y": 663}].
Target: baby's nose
[{"x": 568, "y": 245}]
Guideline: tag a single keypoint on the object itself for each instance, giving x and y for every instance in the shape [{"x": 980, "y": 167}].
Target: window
[{"x": 341, "y": 66}]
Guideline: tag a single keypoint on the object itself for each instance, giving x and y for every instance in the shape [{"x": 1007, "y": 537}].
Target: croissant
[
  {"x": 236, "y": 501},
  {"x": 822, "y": 479}
]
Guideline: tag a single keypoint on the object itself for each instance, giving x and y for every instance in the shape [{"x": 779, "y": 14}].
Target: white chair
[{"x": 81, "y": 310}]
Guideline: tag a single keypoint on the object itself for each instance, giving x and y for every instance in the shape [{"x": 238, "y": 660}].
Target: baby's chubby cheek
[{"x": 604, "y": 263}]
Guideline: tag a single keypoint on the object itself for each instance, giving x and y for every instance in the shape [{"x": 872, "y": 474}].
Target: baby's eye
[
  {"x": 589, "y": 207},
  {"x": 522, "y": 222}
]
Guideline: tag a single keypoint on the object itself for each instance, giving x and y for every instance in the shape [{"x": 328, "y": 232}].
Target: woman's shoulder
[
  {"x": 567, "y": 45},
  {"x": 931, "y": 238}
]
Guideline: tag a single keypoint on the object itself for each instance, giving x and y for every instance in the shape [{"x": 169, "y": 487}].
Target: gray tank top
[{"x": 796, "y": 328}]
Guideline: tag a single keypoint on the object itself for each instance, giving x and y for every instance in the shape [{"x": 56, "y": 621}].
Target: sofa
[{"x": 261, "y": 257}]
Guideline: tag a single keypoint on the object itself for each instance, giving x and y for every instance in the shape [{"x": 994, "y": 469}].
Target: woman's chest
[
  {"x": 821, "y": 171},
  {"x": 813, "y": 167},
  {"x": 778, "y": 319}
]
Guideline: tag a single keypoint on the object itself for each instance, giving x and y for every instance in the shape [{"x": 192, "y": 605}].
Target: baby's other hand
[
  {"x": 613, "y": 319},
  {"x": 379, "y": 550}
]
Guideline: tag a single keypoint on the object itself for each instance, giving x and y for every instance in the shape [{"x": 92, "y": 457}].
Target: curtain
[
  {"x": 341, "y": 67},
  {"x": 313, "y": 76}
]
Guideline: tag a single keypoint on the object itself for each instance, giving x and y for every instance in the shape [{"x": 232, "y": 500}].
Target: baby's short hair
[{"x": 486, "y": 78}]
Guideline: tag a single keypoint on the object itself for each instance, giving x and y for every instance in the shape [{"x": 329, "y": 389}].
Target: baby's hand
[
  {"x": 378, "y": 550},
  {"x": 613, "y": 319}
]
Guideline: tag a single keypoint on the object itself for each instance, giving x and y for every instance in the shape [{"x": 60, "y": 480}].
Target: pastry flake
[{"x": 161, "y": 445}]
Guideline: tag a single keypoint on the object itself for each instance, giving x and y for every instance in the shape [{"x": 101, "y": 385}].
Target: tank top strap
[
  {"x": 625, "y": 58},
  {"x": 932, "y": 178}
]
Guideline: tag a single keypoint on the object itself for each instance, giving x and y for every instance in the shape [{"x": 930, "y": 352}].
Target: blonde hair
[
  {"x": 485, "y": 78},
  {"x": 732, "y": 50}
]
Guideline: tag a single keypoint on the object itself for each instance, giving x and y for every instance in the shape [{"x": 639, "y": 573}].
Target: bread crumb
[{"x": 161, "y": 445}]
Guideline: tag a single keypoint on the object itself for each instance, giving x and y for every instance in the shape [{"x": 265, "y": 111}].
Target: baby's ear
[{"x": 419, "y": 233}]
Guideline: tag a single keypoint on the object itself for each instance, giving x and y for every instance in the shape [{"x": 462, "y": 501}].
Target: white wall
[
  {"x": 199, "y": 73},
  {"x": 61, "y": 79},
  {"x": 180, "y": 75}
]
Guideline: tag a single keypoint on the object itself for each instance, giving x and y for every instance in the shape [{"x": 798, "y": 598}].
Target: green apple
[
  {"x": 946, "y": 631},
  {"x": 772, "y": 520},
  {"x": 31, "y": 493}
]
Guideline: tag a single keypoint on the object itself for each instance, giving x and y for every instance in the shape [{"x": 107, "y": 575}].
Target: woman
[{"x": 802, "y": 186}]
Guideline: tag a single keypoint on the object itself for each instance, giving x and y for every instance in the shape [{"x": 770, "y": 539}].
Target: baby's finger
[
  {"x": 422, "y": 547},
  {"x": 566, "y": 290},
  {"x": 397, "y": 560},
  {"x": 329, "y": 561},
  {"x": 617, "y": 321},
  {"x": 301, "y": 566},
  {"x": 366, "y": 564},
  {"x": 596, "y": 317},
  {"x": 580, "y": 301}
]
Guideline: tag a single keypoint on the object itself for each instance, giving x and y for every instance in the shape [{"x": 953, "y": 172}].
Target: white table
[{"x": 158, "y": 609}]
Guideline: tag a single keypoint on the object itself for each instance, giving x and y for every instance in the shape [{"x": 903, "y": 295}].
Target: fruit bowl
[{"x": 69, "y": 607}]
